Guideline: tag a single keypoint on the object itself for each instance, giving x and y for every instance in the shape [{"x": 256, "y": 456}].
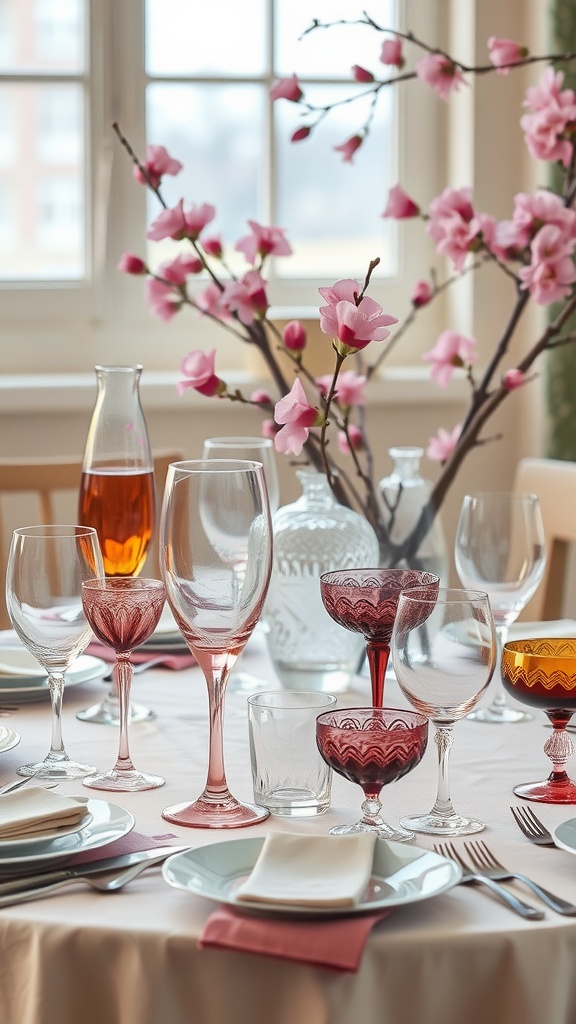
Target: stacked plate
[
  {"x": 102, "y": 824},
  {"x": 23, "y": 679}
]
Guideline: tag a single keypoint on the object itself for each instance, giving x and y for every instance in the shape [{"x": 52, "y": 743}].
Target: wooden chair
[
  {"x": 42, "y": 485},
  {"x": 554, "y": 482}
]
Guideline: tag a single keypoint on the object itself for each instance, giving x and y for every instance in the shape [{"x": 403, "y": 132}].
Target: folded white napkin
[
  {"x": 311, "y": 871},
  {"x": 34, "y": 810}
]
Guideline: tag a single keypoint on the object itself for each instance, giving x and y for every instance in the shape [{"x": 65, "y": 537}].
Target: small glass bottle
[
  {"x": 404, "y": 493},
  {"x": 313, "y": 535}
]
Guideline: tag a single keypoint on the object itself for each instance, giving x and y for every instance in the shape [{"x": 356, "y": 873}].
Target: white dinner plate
[
  {"x": 8, "y": 738},
  {"x": 565, "y": 835},
  {"x": 49, "y": 834},
  {"x": 35, "y": 687},
  {"x": 400, "y": 875},
  {"x": 109, "y": 822}
]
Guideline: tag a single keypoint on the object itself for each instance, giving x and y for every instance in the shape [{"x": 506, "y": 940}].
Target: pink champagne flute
[
  {"x": 372, "y": 747},
  {"x": 216, "y": 559},
  {"x": 365, "y": 601},
  {"x": 123, "y": 612}
]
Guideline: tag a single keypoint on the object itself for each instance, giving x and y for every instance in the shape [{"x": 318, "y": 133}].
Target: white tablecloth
[{"x": 132, "y": 958}]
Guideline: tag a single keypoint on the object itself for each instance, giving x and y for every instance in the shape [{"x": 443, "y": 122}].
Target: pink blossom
[
  {"x": 451, "y": 350},
  {"x": 354, "y": 440},
  {"x": 199, "y": 368},
  {"x": 158, "y": 162},
  {"x": 531, "y": 212},
  {"x": 453, "y": 224},
  {"x": 551, "y": 272},
  {"x": 213, "y": 246},
  {"x": 177, "y": 270},
  {"x": 346, "y": 289},
  {"x": 294, "y": 336},
  {"x": 392, "y": 52},
  {"x": 349, "y": 147},
  {"x": 260, "y": 397},
  {"x": 197, "y": 217},
  {"x": 421, "y": 293},
  {"x": 441, "y": 446},
  {"x": 286, "y": 89},
  {"x": 131, "y": 264},
  {"x": 513, "y": 379},
  {"x": 440, "y": 73},
  {"x": 269, "y": 429},
  {"x": 362, "y": 74},
  {"x": 246, "y": 297},
  {"x": 349, "y": 387},
  {"x": 296, "y": 416},
  {"x": 548, "y": 127},
  {"x": 209, "y": 302},
  {"x": 263, "y": 241},
  {"x": 353, "y": 327},
  {"x": 400, "y": 205},
  {"x": 505, "y": 51},
  {"x": 161, "y": 298},
  {"x": 301, "y": 133},
  {"x": 169, "y": 224}
]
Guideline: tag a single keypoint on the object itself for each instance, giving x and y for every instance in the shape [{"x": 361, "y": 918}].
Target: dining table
[{"x": 79, "y": 956}]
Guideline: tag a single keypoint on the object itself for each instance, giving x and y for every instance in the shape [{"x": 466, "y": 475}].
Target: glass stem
[
  {"x": 56, "y": 687},
  {"x": 443, "y": 739},
  {"x": 499, "y": 698},
  {"x": 378, "y": 655},
  {"x": 123, "y": 680},
  {"x": 216, "y": 788}
]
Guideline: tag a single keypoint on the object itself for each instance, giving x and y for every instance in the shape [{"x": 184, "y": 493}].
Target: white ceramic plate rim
[
  {"x": 566, "y": 842},
  {"x": 241, "y": 855},
  {"x": 109, "y": 822},
  {"x": 85, "y": 669},
  {"x": 56, "y": 833},
  {"x": 8, "y": 738}
]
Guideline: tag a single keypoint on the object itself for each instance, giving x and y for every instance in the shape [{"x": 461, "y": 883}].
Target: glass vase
[
  {"x": 404, "y": 494},
  {"x": 313, "y": 535}
]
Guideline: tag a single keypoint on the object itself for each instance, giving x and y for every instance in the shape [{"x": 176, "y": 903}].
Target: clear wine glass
[
  {"x": 501, "y": 549},
  {"x": 372, "y": 747},
  {"x": 443, "y": 663},
  {"x": 255, "y": 449},
  {"x": 46, "y": 568},
  {"x": 365, "y": 601},
  {"x": 117, "y": 496},
  {"x": 123, "y": 612},
  {"x": 216, "y": 559}
]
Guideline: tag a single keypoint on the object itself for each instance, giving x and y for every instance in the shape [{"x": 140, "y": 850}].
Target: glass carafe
[{"x": 404, "y": 494}]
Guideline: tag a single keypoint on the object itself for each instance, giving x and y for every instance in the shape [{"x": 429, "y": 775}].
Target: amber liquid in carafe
[{"x": 120, "y": 506}]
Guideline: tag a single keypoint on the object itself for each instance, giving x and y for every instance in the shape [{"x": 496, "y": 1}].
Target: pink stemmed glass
[
  {"x": 123, "y": 612},
  {"x": 365, "y": 601},
  {"x": 372, "y": 747},
  {"x": 216, "y": 559}
]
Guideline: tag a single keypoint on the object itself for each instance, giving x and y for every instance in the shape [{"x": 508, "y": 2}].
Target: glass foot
[
  {"x": 203, "y": 813},
  {"x": 499, "y": 714},
  {"x": 548, "y": 791},
  {"x": 437, "y": 825},
  {"x": 124, "y": 781},
  {"x": 107, "y": 712},
  {"x": 57, "y": 769},
  {"x": 383, "y": 831}
]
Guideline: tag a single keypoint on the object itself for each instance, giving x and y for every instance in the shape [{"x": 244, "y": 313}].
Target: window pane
[
  {"x": 218, "y": 133},
  {"x": 329, "y": 52},
  {"x": 333, "y": 210},
  {"x": 42, "y": 35},
  {"x": 41, "y": 182},
  {"x": 220, "y": 37}
]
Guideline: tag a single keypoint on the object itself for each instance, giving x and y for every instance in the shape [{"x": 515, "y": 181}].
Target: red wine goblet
[
  {"x": 365, "y": 601},
  {"x": 123, "y": 611},
  {"x": 542, "y": 674},
  {"x": 372, "y": 747}
]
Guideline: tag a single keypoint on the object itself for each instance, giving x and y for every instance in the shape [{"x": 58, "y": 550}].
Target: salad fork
[
  {"x": 469, "y": 874},
  {"x": 532, "y": 827},
  {"x": 484, "y": 860}
]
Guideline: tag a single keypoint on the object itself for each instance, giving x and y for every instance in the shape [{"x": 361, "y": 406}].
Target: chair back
[{"x": 554, "y": 482}]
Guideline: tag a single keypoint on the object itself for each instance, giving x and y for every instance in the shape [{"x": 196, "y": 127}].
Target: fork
[
  {"x": 470, "y": 875},
  {"x": 484, "y": 860},
  {"x": 108, "y": 881},
  {"x": 532, "y": 827}
]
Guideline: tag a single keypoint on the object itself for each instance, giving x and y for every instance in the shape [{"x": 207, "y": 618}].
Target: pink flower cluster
[
  {"x": 352, "y": 324},
  {"x": 550, "y": 124}
]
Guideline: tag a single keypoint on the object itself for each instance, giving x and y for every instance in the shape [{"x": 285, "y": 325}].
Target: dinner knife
[{"x": 24, "y": 882}]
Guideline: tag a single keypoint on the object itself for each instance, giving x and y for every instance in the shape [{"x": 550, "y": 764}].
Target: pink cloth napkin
[
  {"x": 161, "y": 658},
  {"x": 133, "y": 842},
  {"x": 331, "y": 942}
]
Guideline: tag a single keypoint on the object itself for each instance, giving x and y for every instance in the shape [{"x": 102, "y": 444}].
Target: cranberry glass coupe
[
  {"x": 123, "y": 612},
  {"x": 542, "y": 674},
  {"x": 372, "y": 747},
  {"x": 365, "y": 601}
]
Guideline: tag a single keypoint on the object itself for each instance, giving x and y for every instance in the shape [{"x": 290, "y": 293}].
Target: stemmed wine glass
[
  {"x": 256, "y": 449},
  {"x": 372, "y": 747},
  {"x": 501, "y": 549},
  {"x": 216, "y": 560},
  {"x": 117, "y": 496},
  {"x": 123, "y": 612},
  {"x": 365, "y": 601},
  {"x": 542, "y": 674},
  {"x": 444, "y": 661},
  {"x": 46, "y": 568}
]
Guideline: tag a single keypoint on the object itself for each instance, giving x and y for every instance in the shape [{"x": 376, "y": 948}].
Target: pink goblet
[
  {"x": 123, "y": 611},
  {"x": 365, "y": 601},
  {"x": 372, "y": 747}
]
